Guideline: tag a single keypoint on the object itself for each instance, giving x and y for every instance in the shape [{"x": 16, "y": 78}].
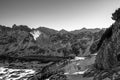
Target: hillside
[
  {"x": 107, "y": 63},
  {"x": 85, "y": 30},
  {"x": 22, "y": 41}
]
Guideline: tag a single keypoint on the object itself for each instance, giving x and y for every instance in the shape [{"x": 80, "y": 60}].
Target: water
[
  {"x": 72, "y": 70},
  {"x": 14, "y": 74}
]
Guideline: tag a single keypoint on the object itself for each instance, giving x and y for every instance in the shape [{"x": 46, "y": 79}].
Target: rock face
[
  {"x": 109, "y": 46},
  {"x": 107, "y": 54},
  {"x": 107, "y": 63}
]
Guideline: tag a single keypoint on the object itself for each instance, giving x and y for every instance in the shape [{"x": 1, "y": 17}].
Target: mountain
[
  {"x": 85, "y": 30},
  {"x": 21, "y": 28},
  {"x": 63, "y": 31},
  {"x": 47, "y": 31},
  {"x": 20, "y": 40}
]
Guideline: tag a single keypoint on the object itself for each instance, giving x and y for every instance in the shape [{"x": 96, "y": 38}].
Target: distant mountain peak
[
  {"x": 47, "y": 31},
  {"x": 85, "y": 29},
  {"x": 63, "y": 31}
]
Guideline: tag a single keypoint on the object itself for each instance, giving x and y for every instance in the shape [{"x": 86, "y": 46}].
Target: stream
[
  {"x": 15, "y": 74},
  {"x": 73, "y": 71}
]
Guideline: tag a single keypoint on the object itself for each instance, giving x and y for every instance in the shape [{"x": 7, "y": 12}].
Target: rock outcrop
[
  {"x": 109, "y": 47},
  {"x": 107, "y": 63}
]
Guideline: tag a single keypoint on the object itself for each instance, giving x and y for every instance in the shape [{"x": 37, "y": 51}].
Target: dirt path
[{"x": 79, "y": 66}]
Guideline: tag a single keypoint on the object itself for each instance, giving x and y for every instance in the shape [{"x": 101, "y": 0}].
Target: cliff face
[
  {"x": 109, "y": 46},
  {"x": 107, "y": 63},
  {"x": 108, "y": 49}
]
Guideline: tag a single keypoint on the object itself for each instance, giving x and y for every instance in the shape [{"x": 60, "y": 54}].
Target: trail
[{"x": 78, "y": 67}]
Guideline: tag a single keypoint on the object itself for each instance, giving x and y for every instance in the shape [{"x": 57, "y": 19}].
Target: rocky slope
[
  {"x": 108, "y": 46},
  {"x": 23, "y": 41},
  {"x": 107, "y": 63}
]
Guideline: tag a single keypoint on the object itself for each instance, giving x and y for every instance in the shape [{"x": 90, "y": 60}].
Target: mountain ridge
[{"x": 48, "y": 42}]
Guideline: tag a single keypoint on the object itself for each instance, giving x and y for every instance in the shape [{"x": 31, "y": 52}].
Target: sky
[{"x": 58, "y": 14}]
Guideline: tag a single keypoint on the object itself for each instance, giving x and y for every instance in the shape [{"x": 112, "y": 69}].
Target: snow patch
[
  {"x": 35, "y": 34},
  {"x": 78, "y": 58},
  {"x": 80, "y": 72},
  {"x": 75, "y": 73},
  {"x": 95, "y": 54}
]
